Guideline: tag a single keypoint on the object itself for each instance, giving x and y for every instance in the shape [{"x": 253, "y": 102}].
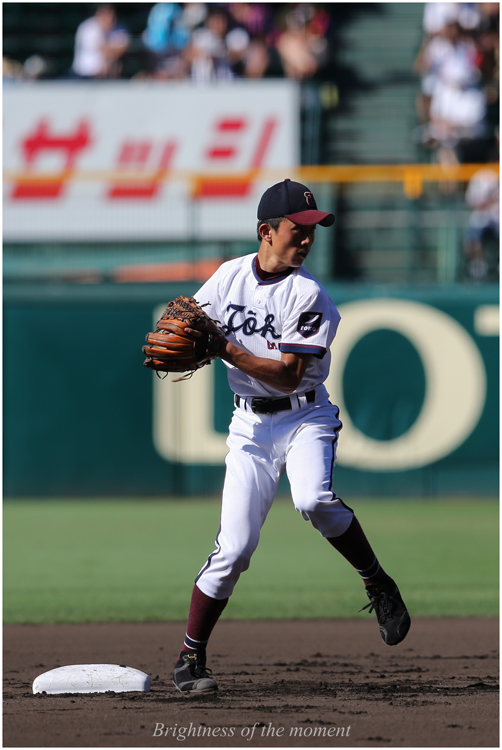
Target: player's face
[{"x": 289, "y": 245}]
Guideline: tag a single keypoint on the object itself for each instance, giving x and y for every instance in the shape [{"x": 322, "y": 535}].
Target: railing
[
  {"x": 402, "y": 223},
  {"x": 411, "y": 176}
]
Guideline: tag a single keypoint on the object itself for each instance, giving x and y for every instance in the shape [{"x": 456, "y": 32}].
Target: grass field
[{"x": 135, "y": 560}]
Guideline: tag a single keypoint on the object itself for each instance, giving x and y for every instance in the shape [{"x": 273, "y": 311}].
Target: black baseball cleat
[
  {"x": 191, "y": 676},
  {"x": 393, "y": 617}
]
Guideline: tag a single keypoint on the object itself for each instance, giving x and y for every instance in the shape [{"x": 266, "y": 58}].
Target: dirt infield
[{"x": 282, "y": 684}]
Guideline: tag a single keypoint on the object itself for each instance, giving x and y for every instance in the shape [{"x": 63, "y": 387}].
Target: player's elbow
[
  {"x": 292, "y": 387},
  {"x": 287, "y": 389},
  {"x": 292, "y": 371},
  {"x": 289, "y": 382}
]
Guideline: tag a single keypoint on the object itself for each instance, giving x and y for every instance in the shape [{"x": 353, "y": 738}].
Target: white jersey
[{"x": 291, "y": 313}]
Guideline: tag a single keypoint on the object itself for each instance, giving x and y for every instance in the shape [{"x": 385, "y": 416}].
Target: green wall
[{"x": 78, "y": 405}]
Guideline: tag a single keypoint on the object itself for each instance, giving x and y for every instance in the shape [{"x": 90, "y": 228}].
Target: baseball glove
[{"x": 170, "y": 349}]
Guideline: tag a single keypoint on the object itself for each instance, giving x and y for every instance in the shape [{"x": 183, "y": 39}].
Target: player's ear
[{"x": 264, "y": 230}]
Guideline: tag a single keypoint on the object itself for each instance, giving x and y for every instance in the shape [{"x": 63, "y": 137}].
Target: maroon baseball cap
[{"x": 294, "y": 201}]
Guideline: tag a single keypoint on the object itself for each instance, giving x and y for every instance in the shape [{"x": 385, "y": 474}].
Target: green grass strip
[{"x": 135, "y": 560}]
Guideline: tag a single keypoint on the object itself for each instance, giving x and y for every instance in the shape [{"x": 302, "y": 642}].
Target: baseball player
[{"x": 279, "y": 324}]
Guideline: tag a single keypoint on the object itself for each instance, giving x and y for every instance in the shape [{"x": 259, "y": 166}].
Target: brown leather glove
[{"x": 170, "y": 349}]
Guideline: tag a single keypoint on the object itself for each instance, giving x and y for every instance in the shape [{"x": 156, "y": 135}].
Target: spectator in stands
[
  {"x": 166, "y": 36},
  {"x": 483, "y": 230},
  {"x": 207, "y": 52},
  {"x": 99, "y": 45},
  {"x": 12, "y": 71},
  {"x": 488, "y": 49},
  {"x": 194, "y": 14},
  {"x": 255, "y": 60},
  {"x": 458, "y": 106},
  {"x": 302, "y": 45},
  {"x": 257, "y": 20},
  {"x": 434, "y": 51},
  {"x": 439, "y": 15},
  {"x": 453, "y": 103},
  {"x": 216, "y": 51},
  {"x": 35, "y": 67}
]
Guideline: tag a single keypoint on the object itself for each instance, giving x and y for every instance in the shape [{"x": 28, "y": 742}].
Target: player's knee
[
  {"x": 330, "y": 517},
  {"x": 239, "y": 558},
  {"x": 307, "y": 505}
]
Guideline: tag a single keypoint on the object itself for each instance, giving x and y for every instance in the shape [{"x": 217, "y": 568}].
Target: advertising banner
[
  {"x": 415, "y": 375},
  {"x": 90, "y": 161}
]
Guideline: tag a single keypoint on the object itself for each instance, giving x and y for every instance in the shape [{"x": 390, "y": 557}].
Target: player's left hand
[{"x": 185, "y": 339}]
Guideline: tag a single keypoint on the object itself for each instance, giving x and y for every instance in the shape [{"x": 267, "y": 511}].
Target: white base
[{"x": 92, "y": 678}]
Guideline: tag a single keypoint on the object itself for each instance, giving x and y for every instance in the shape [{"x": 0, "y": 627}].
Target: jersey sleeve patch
[{"x": 309, "y": 324}]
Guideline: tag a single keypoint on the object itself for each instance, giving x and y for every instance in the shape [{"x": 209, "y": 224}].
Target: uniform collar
[{"x": 263, "y": 277}]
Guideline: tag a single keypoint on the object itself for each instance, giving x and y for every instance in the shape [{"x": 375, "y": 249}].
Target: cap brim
[{"x": 308, "y": 218}]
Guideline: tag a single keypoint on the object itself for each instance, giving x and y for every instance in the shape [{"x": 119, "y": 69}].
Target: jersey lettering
[{"x": 249, "y": 326}]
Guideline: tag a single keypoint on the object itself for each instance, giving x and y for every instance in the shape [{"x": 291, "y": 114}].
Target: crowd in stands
[
  {"x": 198, "y": 41},
  {"x": 458, "y": 64},
  {"x": 206, "y": 41},
  {"x": 458, "y": 104},
  {"x": 202, "y": 42}
]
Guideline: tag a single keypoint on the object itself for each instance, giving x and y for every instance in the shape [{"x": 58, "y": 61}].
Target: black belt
[{"x": 273, "y": 405}]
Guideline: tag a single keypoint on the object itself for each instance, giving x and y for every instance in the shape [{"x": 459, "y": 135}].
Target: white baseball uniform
[{"x": 289, "y": 313}]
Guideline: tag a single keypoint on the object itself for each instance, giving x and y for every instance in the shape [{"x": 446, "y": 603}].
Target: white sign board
[{"x": 114, "y": 160}]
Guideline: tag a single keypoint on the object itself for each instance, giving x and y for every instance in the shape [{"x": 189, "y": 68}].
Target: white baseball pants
[{"x": 301, "y": 442}]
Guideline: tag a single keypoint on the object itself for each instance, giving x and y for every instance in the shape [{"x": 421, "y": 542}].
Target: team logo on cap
[{"x": 309, "y": 198}]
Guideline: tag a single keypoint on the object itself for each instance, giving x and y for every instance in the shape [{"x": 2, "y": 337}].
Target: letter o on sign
[{"x": 455, "y": 384}]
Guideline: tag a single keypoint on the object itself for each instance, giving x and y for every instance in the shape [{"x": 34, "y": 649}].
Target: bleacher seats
[{"x": 376, "y": 113}]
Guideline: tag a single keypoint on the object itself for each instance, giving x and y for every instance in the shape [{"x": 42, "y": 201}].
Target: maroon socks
[
  {"x": 356, "y": 549},
  {"x": 205, "y": 611},
  {"x": 202, "y": 617}
]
